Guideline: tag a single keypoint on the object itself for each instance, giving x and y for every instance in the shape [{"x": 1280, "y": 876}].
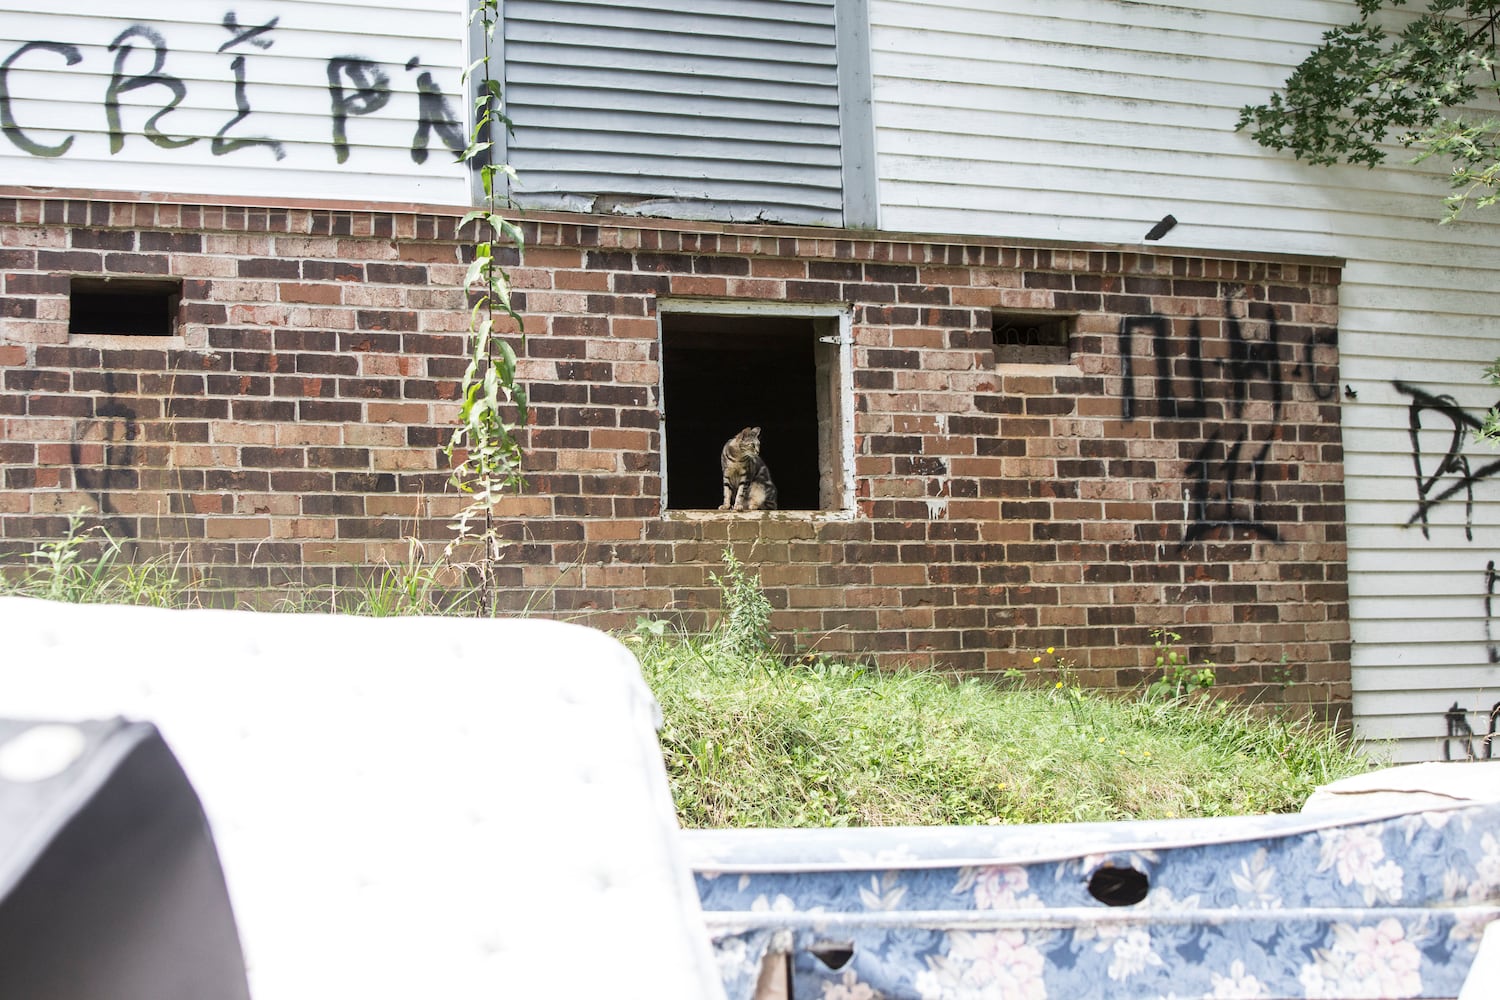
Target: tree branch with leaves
[
  {"x": 1412, "y": 79},
  {"x": 1396, "y": 78}
]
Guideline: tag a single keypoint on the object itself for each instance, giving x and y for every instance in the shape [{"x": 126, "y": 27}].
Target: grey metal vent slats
[{"x": 718, "y": 109}]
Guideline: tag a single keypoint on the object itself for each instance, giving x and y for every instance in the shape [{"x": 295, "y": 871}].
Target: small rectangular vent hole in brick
[
  {"x": 128, "y": 306},
  {"x": 1032, "y": 339}
]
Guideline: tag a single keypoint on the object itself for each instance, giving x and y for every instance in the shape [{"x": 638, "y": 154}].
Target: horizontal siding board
[
  {"x": 551, "y": 129},
  {"x": 676, "y": 74},
  {"x": 1380, "y": 586},
  {"x": 1397, "y": 609},
  {"x": 1230, "y": 20},
  {"x": 670, "y": 34},
  {"x": 1395, "y": 515},
  {"x": 1398, "y": 488},
  {"x": 723, "y": 110},
  {"x": 711, "y": 184},
  {"x": 797, "y": 167},
  {"x": 1085, "y": 68},
  {"x": 1095, "y": 135},
  {"x": 720, "y": 22},
  {"x": 1398, "y": 666},
  {"x": 1302, "y": 205},
  {"x": 1430, "y": 703},
  {"x": 674, "y": 112},
  {"x": 1395, "y": 738},
  {"x": 430, "y": 20}
]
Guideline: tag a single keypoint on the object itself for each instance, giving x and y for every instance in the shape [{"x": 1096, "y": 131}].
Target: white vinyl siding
[
  {"x": 1090, "y": 120},
  {"x": 286, "y": 88},
  {"x": 723, "y": 109}
]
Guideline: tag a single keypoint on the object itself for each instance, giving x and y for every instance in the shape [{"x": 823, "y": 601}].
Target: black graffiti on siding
[
  {"x": 1432, "y": 489},
  {"x": 1459, "y": 731},
  {"x": 252, "y": 35},
  {"x": 1456, "y": 719},
  {"x": 1490, "y": 579},
  {"x": 8, "y": 125},
  {"x": 120, "y": 84},
  {"x": 372, "y": 91},
  {"x": 357, "y": 86},
  {"x": 222, "y": 146},
  {"x": 433, "y": 114}
]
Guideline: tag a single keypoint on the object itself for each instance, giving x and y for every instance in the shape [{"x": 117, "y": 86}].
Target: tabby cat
[{"x": 747, "y": 480}]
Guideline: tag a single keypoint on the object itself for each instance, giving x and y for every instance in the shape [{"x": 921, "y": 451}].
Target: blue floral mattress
[{"x": 1345, "y": 905}]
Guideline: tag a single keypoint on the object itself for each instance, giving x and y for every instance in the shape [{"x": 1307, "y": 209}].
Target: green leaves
[
  {"x": 745, "y": 629},
  {"x": 1474, "y": 148},
  {"x": 493, "y": 405},
  {"x": 1178, "y": 678},
  {"x": 1392, "y": 77}
]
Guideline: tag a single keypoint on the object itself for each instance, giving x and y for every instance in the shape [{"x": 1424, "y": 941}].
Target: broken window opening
[
  {"x": 780, "y": 371},
  {"x": 124, "y": 306},
  {"x": 1032, "y": 338}
]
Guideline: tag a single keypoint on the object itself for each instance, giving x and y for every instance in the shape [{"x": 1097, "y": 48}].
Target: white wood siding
[
  {"x": 1090, "y": 120},
  {"x": 58, "y": 96},
  {"x": 723, "y": 109}
]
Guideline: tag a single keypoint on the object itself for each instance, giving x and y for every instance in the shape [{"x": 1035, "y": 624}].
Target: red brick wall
[{"x": 1185, "y": 472}]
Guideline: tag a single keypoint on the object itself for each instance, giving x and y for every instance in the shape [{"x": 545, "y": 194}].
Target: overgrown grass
[
  {"x": 88, "y": 566},
  {"x": 754, "y": 740}
]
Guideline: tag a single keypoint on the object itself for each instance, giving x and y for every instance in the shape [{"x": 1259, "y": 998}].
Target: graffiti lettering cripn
[{"x": 140, "y": 57}]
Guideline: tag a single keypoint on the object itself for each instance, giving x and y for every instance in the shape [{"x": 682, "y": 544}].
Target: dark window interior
[
  {"x": 123, "y": 306},
  {"x": 1032, "y": 339},
  {"x": 721, "y": 374}
]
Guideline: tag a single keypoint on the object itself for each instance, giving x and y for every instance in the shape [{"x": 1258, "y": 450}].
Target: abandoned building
[{"x": 1044, "y": 354}]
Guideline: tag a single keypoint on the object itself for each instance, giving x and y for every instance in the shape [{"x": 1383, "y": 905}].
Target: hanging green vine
[{"x": 493, "y": 404}]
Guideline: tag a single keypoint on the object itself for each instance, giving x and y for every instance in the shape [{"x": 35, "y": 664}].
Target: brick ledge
[{"x": 650, "y": 223}]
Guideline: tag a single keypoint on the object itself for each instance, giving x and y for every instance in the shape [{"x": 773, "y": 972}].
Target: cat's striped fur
[{"x": 747, "y": 480}]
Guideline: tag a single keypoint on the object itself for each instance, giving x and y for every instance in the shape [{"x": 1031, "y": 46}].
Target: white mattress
[{"x": 404, "y": 807}]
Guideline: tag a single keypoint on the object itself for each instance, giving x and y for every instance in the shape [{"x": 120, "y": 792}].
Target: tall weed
[
  {"x": 85, "y": 566},
  {"x": 744, "y": 629},
  {"x": 414, "y": 587}
]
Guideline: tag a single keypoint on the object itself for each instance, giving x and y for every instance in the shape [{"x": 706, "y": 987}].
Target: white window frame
[{"x": 835, "y": 380}]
